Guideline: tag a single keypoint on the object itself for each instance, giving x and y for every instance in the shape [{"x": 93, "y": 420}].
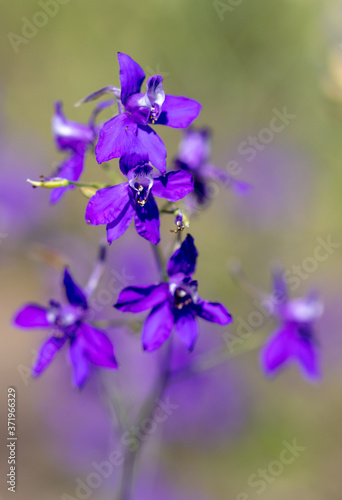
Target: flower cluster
[
  {"x": 129, "y": 137},
  {"x": 135, "y": 184},
  {"x": 174, "y": 302}
]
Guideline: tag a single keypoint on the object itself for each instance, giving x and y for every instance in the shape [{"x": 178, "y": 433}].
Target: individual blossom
[
  {"x": 294, "y": 340},
  {"x": 129, "y": 131},
  {"x": 75, "y": 139},
  {"x": 68, "y": 325},
  {"x": 173, "y": 303},
  {"x": 118, "y": 205},
  {"x": 194, "y": 156}
]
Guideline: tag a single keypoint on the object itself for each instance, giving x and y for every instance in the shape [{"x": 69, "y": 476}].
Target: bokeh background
[{"x": 241, "y": 62}]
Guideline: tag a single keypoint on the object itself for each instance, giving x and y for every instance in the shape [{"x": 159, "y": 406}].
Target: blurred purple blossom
[
  {"x": 294, "y": 340},
  {"x": 194, "y": 156},
  {"x": 88, "y": 345}
]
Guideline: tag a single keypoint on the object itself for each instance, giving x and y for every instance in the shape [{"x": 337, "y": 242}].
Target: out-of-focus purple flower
[
  {"x": 194, "y": 156},
  {"x": 130, "y": 132},
  {"x": 68, "y": 324},
  {"x": 118, "y": 205},
  {"x": 74, "y": 139},
  {"x": 21, "y": 213},
  {"x": 294, "y": 340},
  {"x": 219, "y": 395},
  {"x": 173, "y": 303},
  {"x": 180, "y": 221}
]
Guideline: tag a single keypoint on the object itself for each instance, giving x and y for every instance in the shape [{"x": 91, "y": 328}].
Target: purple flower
[
  {"x": 118, "y": 205},
  {"x": 68, "y": 324},
  {"x": 294, "y": 340},
  {"x": 173, "y": 303},
  {"x": 74, "y": 139},
  {"x": 194, "y": 156},
  {"x": 130, "y": 132}
]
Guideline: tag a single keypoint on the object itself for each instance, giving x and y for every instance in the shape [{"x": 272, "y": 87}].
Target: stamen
[
  {"x": 139, "y": 201},
  {"x": 153, "y": 116},
  {"x": 182, "y": 298},
  {"x": 180, "y": 227}
]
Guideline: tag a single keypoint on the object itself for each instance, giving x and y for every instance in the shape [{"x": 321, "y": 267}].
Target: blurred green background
[{"x": 241, "y": 64}]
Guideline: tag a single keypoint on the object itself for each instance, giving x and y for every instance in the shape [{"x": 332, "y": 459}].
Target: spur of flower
[
  {"x": 68, "y": 324},
  {"x": 118, "y": 205},
  {"x": 129, "y": 132},
  {"x": 194, "y": 156},
  {"x": 294, "y": 340},
  {"x": 74, "y": 139},
  {"x": 175, "y": 303}
]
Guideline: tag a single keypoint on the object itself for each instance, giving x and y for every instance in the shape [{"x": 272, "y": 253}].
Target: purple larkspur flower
[
  {"x": 294, "y": 340},
  {"x": 129, "y": 131},
  {"x": 174, "y": 303},
  {"x": 75, "y": 139},
  {"x": 88, "y": 345},
  {"x": 194, "y": 156},
  {"x": 118, "y": 205}
]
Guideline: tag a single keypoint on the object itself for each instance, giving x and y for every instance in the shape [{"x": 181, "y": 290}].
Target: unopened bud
[{"x": 50, "y": 183}]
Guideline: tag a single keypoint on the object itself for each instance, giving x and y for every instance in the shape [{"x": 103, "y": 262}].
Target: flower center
[
  {"x": 141, "y": 196},
  {"x": 141, "y": 182},
  {"x": 182, "y": 298},
  {"x": 64, "y": 319},
  {"x": 153, "y": 115}
]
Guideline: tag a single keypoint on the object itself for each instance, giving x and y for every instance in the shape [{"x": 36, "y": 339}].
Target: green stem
[
  {"x": 131, "y": 457},
  {"x": 133, "y": 325},
  {"x": 160, "y": 262},
  {"x": 165, "y": 207},
  {"x": 85, "y": 184},
  {"x": 114, "y": 402}
]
